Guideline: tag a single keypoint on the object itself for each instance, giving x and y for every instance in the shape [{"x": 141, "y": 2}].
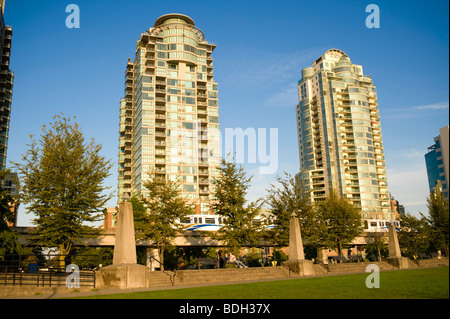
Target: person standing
[{"x": 221, "y": 259}]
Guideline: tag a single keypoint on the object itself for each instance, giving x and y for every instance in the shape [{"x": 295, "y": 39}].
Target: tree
[
  {"x": 438, "y": 220},
  {"x": 413, "y": 236},
  {"x": 231, "y": 187},
  {"x": 341, "y": 221},
  {"x": 284, "y": 199},
  {"x": 158, "y": 213},
  {"x": 9, "y": 241},
  {"x": 62, "y": 183},
  {"x": 377, "y": 247}
]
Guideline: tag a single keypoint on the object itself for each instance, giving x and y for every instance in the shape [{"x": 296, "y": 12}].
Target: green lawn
[{"x": 405, "y": 284}]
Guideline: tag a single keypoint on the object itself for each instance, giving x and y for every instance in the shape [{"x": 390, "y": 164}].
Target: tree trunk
[
  {"x": 161, "y": 256},
  {"x": 63, "y": 251}
]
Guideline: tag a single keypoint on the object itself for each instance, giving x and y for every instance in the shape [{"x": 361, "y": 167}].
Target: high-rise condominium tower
[
  {"x": 169, "y": 117},
  {"x": 339, "y": 135},
  {"x": 437, "y": 161},
  {"x": 6, "y": 84}
]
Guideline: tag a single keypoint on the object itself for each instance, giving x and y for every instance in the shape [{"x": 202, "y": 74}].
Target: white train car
[
  {"x": 206, "y": 222},
  {"x": 202, "y": 222},
  {"x": 380, "y": 225}
]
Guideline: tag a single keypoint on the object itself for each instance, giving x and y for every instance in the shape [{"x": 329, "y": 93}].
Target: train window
[
  {"x": 199, "y": 220},
  {"x": 195, "y": 220},
  {"x": 209, "y": 220},
  {"x": 373, "y": 224},
  {"x": 186, "y": 220}
]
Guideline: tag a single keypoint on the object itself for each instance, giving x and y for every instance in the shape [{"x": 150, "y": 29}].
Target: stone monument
[
  {"x": 395, "y": 257},
  {"x": 297, "y": 262},
  {"x": 124, "y": 272}
]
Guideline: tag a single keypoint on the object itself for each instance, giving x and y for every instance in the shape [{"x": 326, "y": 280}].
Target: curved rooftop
[
  {"x": 163, "y": 18},
  {"x": 337, "y": 51}
]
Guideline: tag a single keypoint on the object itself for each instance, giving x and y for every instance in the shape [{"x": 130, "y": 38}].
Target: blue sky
[{"x": 261, "y": 48}]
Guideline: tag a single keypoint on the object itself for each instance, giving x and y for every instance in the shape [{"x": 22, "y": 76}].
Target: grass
[{"x": 431, "y": 283}]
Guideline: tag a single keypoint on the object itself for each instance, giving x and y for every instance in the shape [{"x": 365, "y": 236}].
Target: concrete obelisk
[
  {"x": 395, "y": 257},
  {"x": 125, "y": 245},
  {"x": 297, "y": 262},
  {"x": 124, "y": 272}
]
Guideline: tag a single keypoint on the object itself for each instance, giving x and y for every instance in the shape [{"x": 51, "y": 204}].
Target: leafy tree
[
  {"x": 438, "y": 220},
  {"x": 378, "y": 247},
  {"x": 62, "y": 183},
  {"x": 341, "y": 221},
  {"x": 284, "y": 199},
  {"x": 229, "y": 201},
  {"x": 91, "y": 257},
  {"x": 413, "y": 236},
  {"x": 9, "y": 241},
  {"x": 157, "y": 214}
]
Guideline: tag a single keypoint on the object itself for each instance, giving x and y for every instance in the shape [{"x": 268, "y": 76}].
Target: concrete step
[
  {"x": 159, "y": 278},
  {"x": 233, "y": 274},
  {"x": 433, "y": 262},
  {"x": 357, "y": 267},
  {"x": 320, "y": 269}
]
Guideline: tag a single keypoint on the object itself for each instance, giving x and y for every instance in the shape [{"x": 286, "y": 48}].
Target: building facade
[
  {"x": 339, "y": 135},
  {"x": 437, "y": 161},
  {"x": 6, "y": 84},
  {"x": 169, "y": 116}
]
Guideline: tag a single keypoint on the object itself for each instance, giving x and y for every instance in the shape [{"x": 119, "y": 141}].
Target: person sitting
[{"x": 238, "y": 263}]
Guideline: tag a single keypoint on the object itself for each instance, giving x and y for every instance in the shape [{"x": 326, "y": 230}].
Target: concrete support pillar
[{"x": 151, "y": 263}]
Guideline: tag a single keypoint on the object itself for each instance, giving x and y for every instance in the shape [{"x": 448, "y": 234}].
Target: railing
[
  {"x": 172, "y": 277},
  {"x": 43, "y": 277},
  {"x": 46, "y": 270}
]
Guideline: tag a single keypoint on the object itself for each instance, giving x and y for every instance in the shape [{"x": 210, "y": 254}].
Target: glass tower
[
  {"x": 6, "y": 84},
  {"x": 339, "y": 135},
  {"x": 437, "y": 161},
  {"x": 169, "y": 116}
]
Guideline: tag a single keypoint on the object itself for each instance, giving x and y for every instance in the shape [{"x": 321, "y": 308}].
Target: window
[
  {"x": 189, "y": 188},
  {"x": 189, "y": 100}
]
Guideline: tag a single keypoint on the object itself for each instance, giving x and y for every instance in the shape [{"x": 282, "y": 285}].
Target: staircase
[
  {"x": 350, "y": 267},
  {"x": 320, "y": 269},
  {"x": 159, "y": 279},
  {"x": 218, "y": 275},
  {"x": 433, "y": 262}
]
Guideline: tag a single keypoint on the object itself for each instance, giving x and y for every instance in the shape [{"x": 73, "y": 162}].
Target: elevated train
[{"x": 215, "y": 222}]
